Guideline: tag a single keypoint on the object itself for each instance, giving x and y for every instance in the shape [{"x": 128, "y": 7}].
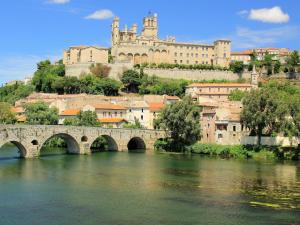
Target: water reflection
[{"x": 127, "y": 188}]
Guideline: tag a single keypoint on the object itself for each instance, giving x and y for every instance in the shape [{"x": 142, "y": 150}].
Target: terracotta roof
[
  {"x": 172, "y": 97},
  {"x": 241, "y": 53},
  {"x": 18, "y": 110},
  {"x": 156, "y": 106},
  {"x": 21, "y": 118},
  {"x": 109, "y": 106},
  {"x": 112, "y": 120},
  {"x": 70, "y": 112},
  {"x": 219, "y": 85}
]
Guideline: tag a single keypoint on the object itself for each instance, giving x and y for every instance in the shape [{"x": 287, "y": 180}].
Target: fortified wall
[{"x": 196, "y": 74}]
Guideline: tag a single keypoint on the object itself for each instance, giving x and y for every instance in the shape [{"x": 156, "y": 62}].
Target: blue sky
[{"x": 33, "y": 30}]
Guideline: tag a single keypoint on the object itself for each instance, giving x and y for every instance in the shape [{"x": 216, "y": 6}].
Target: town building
[
  {"x": 245, "y": 56},
  {"x": 130, "y": 46},
  {"x": 220, "y": 123},
  {"x": 216, "y": 91}
]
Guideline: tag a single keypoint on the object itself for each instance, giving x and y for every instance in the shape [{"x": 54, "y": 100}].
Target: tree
[
  {"x": 268, "y": 63},
  {"x": 237, "y": 66},
  {"x": 71, "y": 121},
  {"x": 6, "y": 114},
  {"x": 100, "y": 70},
  {"x": 292, "y": 61},
  {"x": 132, "y": 80},
  {"x": 259, "y": 112},
  {"x": 237, "y": 95},
  {"x": 88, "y": 118},
  {"x": 277, "y": 66},
  {"x": 181, "y": 120},
  {"x": 40, "y": 114},
  {"x": 135, "y": 125}
]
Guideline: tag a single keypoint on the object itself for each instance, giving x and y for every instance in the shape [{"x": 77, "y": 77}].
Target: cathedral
[{"x": 130, "y": 46}]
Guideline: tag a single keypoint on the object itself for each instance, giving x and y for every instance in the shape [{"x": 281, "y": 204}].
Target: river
[{"x": 142, "y": 188}]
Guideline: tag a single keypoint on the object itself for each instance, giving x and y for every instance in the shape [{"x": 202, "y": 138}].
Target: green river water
[{"x": 144, "y": 188}]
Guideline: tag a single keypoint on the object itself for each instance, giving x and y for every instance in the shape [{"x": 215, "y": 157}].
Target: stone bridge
[{"x": 30, "y": 138}]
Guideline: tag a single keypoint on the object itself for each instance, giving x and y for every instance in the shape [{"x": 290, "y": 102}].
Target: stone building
[
  {"x": 216, "y": 91},
  {"x": 220, "y": 123},
  {"x": 78, "y": 59},
  {"x": 130, "y": 46}
]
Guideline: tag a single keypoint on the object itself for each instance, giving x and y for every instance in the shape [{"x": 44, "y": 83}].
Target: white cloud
[
  {"x": 21, "y": 66},
  {"x": 59, "y": 2},
  {"x": 101, "y": 15},
  {"x": 244, "y": 38},
  {"x": 249, "y": 38},
  {"x": 266, "y": 15}
]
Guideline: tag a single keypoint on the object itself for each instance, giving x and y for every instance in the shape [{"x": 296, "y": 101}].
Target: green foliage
[
  {"x": 181, "y": 121},
  {"x": 71, "y": 121},
  {"x": 6, "y": 115},
  {"x": 237, "y": 95},
  {"x": 237, "y": 67},
  {"x": 13, "y": 93},
  {"x": 100, "y": 144},
  {"x": 135, "y": 125},
  {"x": 88, "y": 118},
  {"x": 275, "y": 108},
  {"x": 50, "y": 79},
  {"x": 40, "y": 113},
  {"x": 277, "y": 66},
  {"x": 161, "y": 86},
  {"x": 132, "y": 80},
  {"x": 224, "y": 151},
  {"x": 100, "y": 70},
  {"x": 293, "y": 61},
  {"x": 181, "y": 66}
]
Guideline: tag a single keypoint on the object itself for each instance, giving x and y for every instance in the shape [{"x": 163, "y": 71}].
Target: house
[
  {"x": 112, "y": 122},
  {"x": 215, "y": 91},
  {"x": 68, "y": 113}
]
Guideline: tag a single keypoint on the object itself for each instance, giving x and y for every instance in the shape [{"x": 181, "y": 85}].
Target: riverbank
[{"x": 238, "y": 151}]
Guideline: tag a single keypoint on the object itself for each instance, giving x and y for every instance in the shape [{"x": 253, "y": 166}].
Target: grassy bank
[{"x": 238, "y": 151}]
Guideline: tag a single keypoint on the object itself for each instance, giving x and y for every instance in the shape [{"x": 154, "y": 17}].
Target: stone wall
[
  {"x": 75, "y": 70},
  {"x": 196, "y": 74},
  {"x": 271, "y": 141}
]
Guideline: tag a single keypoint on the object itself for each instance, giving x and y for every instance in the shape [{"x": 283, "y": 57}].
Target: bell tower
[
  {"x": 150, "y": 27},
  {"x": 115, "y": 38}
]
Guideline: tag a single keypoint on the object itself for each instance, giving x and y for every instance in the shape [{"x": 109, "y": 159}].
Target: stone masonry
[{"x": 30, "y": 139}]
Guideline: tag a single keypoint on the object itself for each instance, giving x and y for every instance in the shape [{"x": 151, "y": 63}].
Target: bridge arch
[
  {"x": 104, "y": 143},
  {"x": 22, "y": 150},
  {"x": 72, "y": 144},
  {"x": 136, "y": 143}
]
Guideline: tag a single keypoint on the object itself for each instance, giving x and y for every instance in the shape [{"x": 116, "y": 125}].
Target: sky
[{"x": 35, "y": 30}]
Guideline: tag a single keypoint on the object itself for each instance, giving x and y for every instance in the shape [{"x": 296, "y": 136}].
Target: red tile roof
[
  {"x": 156, "y": 106},
  {"x": 109, "y": 106},
  {"x": 70, "y": 112},
  {"x": 112, "y": 120}
]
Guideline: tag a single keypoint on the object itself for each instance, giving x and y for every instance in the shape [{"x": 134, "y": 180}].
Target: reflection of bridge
[{"x": 30, "y": 139}]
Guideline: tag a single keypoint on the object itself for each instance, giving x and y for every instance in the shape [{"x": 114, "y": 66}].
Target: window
[
  {"x": 187, "y": 55},
  {"x": 116, "y": 114},
  {"x": 202, "y": 55},
  {"x": 192, "y": 55},
  {"x": 196, "y": 62},
  {"x": 175, "y": 54},
  {"x": 142, "y": 117},
  {"x": 175, "y": 61},
  {"x": 187, "y": 61},
  {"x": 180, "y": 61},
  {"x": 220, "y": 136},
  {"x": 224, "y": 55},
  {"x": 121, "y": 114},
  {"x": 129, "y": 110},
  {"x": 180, "y": 54},
  {"x": 234, "y": 128},
  {"x": 196, "y": 55},
  {"x": 142, "y": 110}
]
